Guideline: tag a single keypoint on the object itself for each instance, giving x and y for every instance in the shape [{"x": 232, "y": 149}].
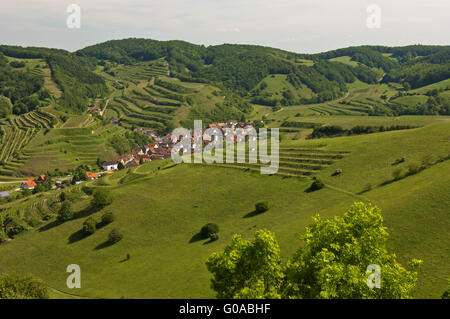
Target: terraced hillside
[
  {"x": 293, "y": 161},
  {"x": 66, "y": 148},
  {"x": 142, "y": 71},
  {"x": 151, "y": 223},
  {"x": 12, "y": 142},
  {"x": 161, "y": 103}
]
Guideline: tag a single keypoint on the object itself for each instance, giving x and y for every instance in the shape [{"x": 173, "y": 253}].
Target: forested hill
[
  {"x": 242, "y": 67},
  {"x": 24, "y": 87}
]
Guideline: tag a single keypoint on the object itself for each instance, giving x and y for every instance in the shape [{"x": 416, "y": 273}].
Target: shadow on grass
[
  {"x": 252, "y": 214},
  {"x": 196, "y": 237},
  {"x": 209, "y": 242},
  {"x": 81, "y": 214},
  {"x": 50, "y": 225},
  {"x": 312, "y": 189},
  {"x": 77, "y": 236},
  {"x": 86, "y": 212},
  {"x": 105, "y": 244}
]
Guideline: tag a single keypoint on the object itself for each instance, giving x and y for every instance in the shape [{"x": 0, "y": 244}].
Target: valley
[{"x": 371, "y": 123}]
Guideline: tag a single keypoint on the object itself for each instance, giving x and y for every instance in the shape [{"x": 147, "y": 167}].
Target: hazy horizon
[{"x": 297, "y": 26}]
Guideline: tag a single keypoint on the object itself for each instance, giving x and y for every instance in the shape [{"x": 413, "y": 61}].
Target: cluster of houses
[
  {"x": 162, "y": 147},
  {"x": 31, "y": 183}
]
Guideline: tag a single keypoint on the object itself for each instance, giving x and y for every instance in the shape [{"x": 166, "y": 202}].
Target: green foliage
[
  {"x": 316, "y": 185},
  {"x": 107, "y": 218},
  {"x": 19, "y": 86},
  {"x": 337, "y": 252},
  {"x": 90, "y": 225},
  {"x": 209, "y": 229},
  {"x": 66, "y": 212},
  {"x": 124, "y": 143},
  {"x": 332, "y": 263},
  {"x": 87, "y": 190},
  {"x": 14, "y": 286},
  {"x": 248, "y": 269},
  {"x": 262, "y": 206},
  {"x": 114, "y": 236},
  {"x": 5, "y": 107},
  {"x": 419, "y": 74},
  {"x": 80, "y": 174},
  {"x": 335, "y": 130},
  {"x": 102, "y": 198},
  {"x": 17, "y": 64},
  {"x": 76, "y": 80}
]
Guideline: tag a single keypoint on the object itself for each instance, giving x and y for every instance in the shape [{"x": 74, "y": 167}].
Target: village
[{"x": 160, "y": 148}]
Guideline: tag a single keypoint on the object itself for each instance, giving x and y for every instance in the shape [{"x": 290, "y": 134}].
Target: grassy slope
[
  {"x": 158, "y": 227},
  {"x": 160, "y": 212}
]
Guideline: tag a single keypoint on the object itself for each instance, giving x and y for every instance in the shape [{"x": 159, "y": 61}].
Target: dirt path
[{"x": 104, "y": 109}]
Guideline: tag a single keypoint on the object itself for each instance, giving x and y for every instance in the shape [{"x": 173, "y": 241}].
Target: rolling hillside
[
  {"x": 61, "y": 110},
  {"x": 159, "y": 231}
]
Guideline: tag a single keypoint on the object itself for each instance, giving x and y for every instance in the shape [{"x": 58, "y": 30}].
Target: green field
[
  {"x": 158, "y": 229},
  {"x": 160, "y": 207}
]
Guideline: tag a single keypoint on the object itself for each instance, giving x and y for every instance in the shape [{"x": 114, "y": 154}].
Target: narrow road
[{"x": 104, "y": 109}]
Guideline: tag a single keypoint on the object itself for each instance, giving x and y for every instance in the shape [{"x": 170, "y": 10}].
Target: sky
[{"x": 303, "y": 26}]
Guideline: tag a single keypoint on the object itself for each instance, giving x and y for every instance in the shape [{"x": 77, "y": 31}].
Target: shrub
[
  {"x": 90, "y": 225},
  {"x": 13, "y": 286},
  {"x": 209, "y": 229},
  {"x": 262, "y": 206},
  {"x": 107, "y": 218},
  {"x": 337, "y": 172},
  {"x": 65, "y": 212},
  {"x": 396, "y": 174},
  {"x": 102, "y": 198},
  {"x": 17, "y": 64},
  {"x": 115, "y": 236},
  {"x": 316, "y": 185},
  {"x": 62, "y": 197},
  {"x": 87, "y": 190},
  {"x": 413, "y": 169}
]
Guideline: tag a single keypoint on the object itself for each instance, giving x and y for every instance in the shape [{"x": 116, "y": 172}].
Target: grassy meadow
[{"x": 160, "y": 209}]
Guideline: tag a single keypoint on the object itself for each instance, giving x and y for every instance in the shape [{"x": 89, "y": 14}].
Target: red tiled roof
[
  {"x": 91, "y": 175},
  {"x": 30, "y": 183}
]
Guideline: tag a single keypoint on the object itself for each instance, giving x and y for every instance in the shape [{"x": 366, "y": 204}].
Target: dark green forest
[{"x": 239, "y": 69}]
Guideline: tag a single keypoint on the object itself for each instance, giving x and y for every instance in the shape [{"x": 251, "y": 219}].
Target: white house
[{"x": 109, "y": 166}]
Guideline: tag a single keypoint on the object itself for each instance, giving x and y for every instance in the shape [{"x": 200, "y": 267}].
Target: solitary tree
[
  {"x": 90, "y": 225},
  {"x": 65, "y": 213},
  {"x": 102, "y": 198},
  {"x": 114, "y": 236}
]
